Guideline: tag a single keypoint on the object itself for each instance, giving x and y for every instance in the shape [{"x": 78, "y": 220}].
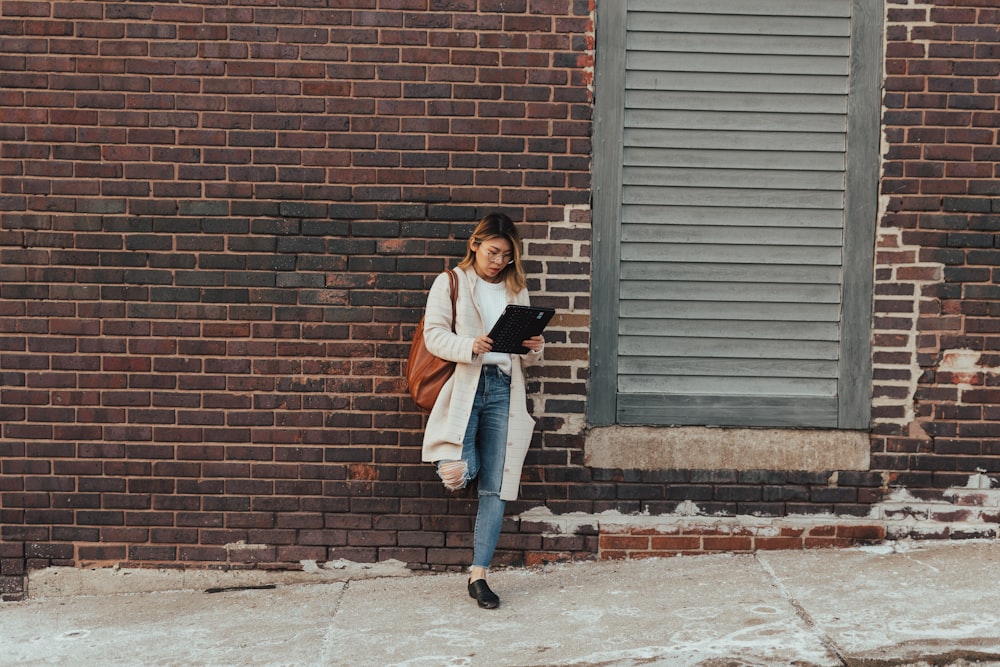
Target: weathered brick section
[
  {"x": 936, "y": 294},
  {"x": 972, "y": 511}
]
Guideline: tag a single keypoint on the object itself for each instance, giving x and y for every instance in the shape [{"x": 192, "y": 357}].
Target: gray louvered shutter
[{"x": 732, "y": 229}]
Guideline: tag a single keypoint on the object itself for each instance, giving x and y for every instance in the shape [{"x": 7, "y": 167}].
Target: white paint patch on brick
[
  {"x": 966, "y": 368},
  {"x": 904, "y": 267},
  {"x": 572, "y": 322},
  {"x": 243, "y": 546},
  {"x": 980, "y": 481},
  {"x": 573, "y": 424},
  {"x": 564, "y": 524},
  {"x": 970, "y": 511},
  {"x": 892, "y": 254},
  {"x": 962, "y": 362},
  {"x": 613, "y": 521}
]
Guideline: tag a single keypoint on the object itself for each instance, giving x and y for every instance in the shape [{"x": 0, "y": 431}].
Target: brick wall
[
  {"x": 219, "y": 222},
  {"x": 936, "y": 331}
]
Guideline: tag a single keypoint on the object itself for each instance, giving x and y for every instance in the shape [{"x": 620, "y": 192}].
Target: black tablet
[{"x": 517, "y": 324}]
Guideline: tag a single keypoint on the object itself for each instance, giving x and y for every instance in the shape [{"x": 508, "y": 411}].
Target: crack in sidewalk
[
  {"x": 326, "y": 654},
  {"x": 801, "y": 612}
]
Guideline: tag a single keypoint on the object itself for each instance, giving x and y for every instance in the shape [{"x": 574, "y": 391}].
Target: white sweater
[
  {"x": 450, "y": 415},
  {"x": 492, "y": 301}
]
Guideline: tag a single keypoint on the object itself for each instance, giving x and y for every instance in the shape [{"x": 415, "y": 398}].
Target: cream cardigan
[{"x": 448, "y": 419}]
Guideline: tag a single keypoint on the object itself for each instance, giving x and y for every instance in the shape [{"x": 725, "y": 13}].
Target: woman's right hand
[{"x": 482, "y": 345}]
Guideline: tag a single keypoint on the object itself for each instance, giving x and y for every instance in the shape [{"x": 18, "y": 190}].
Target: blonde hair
[{"x": 498, "y": 225}]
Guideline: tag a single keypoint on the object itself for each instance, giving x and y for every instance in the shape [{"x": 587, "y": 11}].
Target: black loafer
[{"x": 486, "y": 598}]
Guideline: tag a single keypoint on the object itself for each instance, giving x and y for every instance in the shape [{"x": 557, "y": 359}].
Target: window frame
[{"x": 860, "y": 215}]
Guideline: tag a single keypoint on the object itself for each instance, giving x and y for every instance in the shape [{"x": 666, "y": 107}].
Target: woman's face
[{"x": 492, "y": 257}]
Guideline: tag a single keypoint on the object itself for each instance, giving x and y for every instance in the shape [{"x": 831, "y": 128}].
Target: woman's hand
[
  {"x": 482, "y": 345},
  {"x": 534, "y": 343}
]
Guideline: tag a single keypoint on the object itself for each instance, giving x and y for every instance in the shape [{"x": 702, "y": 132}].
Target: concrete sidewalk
[{"x": 898, "y": 604}]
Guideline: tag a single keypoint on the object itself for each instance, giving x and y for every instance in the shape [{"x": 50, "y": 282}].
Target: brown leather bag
[{"x": 425, "y": 373}]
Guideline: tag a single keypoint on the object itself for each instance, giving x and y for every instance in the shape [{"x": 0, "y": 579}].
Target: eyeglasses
[{"x": 495, "y": 256}]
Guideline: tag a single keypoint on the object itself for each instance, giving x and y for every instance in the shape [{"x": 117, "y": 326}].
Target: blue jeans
[{"x": 484, "y": 450}]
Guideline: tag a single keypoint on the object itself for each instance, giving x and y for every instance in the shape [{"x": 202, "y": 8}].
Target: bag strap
[{"x": 453, "y": 290}]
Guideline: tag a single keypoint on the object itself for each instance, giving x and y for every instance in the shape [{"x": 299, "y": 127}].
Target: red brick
[
  {"x": 675, "y": 543},
  {"x": 624, "y": 542},
  {"x": 713, "y": 543},
  {"x": 871, "y": 533}
]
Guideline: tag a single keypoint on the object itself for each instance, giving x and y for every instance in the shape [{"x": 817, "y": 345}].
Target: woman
[{"x": 480, "y": 427}]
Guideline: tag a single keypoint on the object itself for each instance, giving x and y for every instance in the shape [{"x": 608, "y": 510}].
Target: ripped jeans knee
[{"x": 454, "y": 474}]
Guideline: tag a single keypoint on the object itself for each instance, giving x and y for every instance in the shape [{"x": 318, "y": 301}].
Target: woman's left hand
[{"x": 534, "y": 343}]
